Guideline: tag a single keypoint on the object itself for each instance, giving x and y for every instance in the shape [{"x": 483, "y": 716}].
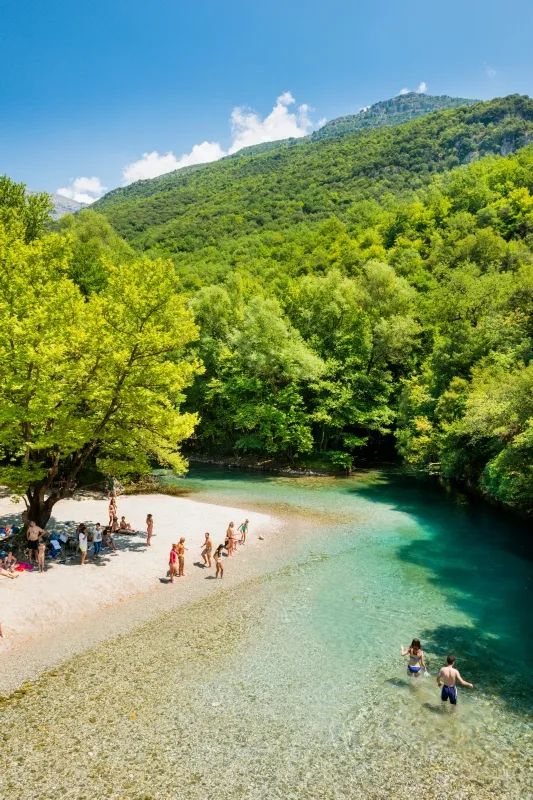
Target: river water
[{"x": 291, "y": 685}]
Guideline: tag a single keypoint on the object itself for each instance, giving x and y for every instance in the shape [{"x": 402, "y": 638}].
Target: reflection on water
[{"x": 291, "y": 686}]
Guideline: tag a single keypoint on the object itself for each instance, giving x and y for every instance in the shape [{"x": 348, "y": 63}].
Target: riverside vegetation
[{"x": 337, "y": 297}]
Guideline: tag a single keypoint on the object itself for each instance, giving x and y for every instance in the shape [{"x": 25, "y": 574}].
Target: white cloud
[
  {"x": 404, "y": 91},
  {"x": 83, "y": 190},
  {"x": 422, "y": 87},
  {"x": 490, "y": 72},
  {"x": 247, "y": 128},
  {"x": 153, "y": 164}
]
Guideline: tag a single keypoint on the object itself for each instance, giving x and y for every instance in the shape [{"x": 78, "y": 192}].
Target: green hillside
[
  {"x": 294, "y": 182},
  {"x": 395, "y": 111},
  {"x": 358, "y": 298}
]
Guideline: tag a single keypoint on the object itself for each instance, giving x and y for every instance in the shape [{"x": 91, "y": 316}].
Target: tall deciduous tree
[{"x": 87, "y": 378}]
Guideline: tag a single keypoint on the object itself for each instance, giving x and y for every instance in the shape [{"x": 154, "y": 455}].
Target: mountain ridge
[{"x": 293, "y": 182}]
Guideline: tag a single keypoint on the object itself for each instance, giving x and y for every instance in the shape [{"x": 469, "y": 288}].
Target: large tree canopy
[{"x": 99, "y": 377}]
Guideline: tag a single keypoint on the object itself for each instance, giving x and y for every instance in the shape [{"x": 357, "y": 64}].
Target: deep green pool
[{"x": 291, "y": 685}]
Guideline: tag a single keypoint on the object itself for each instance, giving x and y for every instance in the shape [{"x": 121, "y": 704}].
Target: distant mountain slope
[
  {"x": 294, "y": 181},
  {"x": 64, "y": 205},
  {"x": 395, "y": 111}
]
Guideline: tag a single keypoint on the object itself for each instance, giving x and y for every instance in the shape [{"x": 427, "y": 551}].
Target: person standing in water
[
  {"x": 218, "y": 561},
  {"x": 243, "y": 529},
  {"x": 416, "y": 658},
  {"x": 149, "y": 529},
  {"x": 207, "y": 549},
  {"x": 447, "y": 678},
  {"x": 180, "y": 550}
]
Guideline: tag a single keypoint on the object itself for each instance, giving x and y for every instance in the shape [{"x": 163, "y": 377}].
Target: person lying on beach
[
  {"x": 7, "y": 566},
  {"x": 447, "y": 678},
  {"x": 173, "y": 562},
  {"x": 32, "y": 535},
  {"x": 243, "y": 528},
  {"x": 218, "y": 561},
  {"x": 10, "y": 562},
  {"x": 180, "y": 550},
  {"x": 207, "y": 549},
  {"x": 416, "y": 658},
  {"x": 124, "y": 525},
  {"x": 149, "y": 529}
]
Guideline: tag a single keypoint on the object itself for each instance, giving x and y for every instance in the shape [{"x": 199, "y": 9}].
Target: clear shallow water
[{"x": 291, "y": 685}]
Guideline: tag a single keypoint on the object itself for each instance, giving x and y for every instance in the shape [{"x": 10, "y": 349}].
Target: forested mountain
[
  {"x": 355, "y": 297},
  {"x": 398, "y": 109},
  {"x": 295, "y": 182}
]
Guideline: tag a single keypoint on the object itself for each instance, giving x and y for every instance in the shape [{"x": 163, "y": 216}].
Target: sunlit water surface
[{"x": 291, "y": 685}]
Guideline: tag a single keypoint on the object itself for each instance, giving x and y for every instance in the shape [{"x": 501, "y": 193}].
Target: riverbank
[{"x": 37, "y": 609}]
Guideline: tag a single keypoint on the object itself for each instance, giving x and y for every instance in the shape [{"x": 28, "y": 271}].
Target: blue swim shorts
[{"x": 449, "y": 693}]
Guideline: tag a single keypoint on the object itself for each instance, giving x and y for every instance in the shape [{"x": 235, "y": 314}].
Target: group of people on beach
[
  {"x": 176, "y": 560},
  {"x": 448, "y": 676}
]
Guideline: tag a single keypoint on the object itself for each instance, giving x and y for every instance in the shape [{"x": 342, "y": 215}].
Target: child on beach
[
  {"x": 149, "y": 529},
  {"x": 218, "y": 561},
  {"x": 207, "y": 548},
  {"x": 97, "y": 539},
  {"x": 243, "y": 528},
  {"x": 41, "y": 551},
  {"x": 173, "y": 562}
]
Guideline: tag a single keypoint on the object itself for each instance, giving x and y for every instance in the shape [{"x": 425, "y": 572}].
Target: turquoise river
[{"x": 290, "y": 684}]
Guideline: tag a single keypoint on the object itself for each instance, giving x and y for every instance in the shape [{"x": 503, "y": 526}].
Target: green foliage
[
  {"x": 395, "y": 111},
  {"x": 301, "y": 182},
  {"x": 350, "y": 292},
  {"x": 87, "y": 378},
  {"x": 94, "y": 242}
]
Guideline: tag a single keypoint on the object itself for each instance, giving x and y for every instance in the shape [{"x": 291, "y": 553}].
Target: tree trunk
[{"x": 39, "y": 507}]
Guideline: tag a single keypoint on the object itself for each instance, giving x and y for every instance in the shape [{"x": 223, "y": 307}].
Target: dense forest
[{"x": 355, "y": 296}]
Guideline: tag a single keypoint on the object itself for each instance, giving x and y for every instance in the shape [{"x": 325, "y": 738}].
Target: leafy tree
[{"x": 87, "y": 378}]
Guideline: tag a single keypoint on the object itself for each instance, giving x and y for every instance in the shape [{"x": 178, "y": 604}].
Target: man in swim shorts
[{"x": 447, "y": 678}]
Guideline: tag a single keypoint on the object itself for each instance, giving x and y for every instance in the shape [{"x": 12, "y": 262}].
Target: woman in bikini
[
  {"x": 230, "y": 539},
  {"x": 207, "y": 550},
  {"x": 149, "y": 529},
  {"x": 218, "y": 561},
  {"x": 416, "y": 658},
  {"x": 173, "y": 562},
  {"x": 112, "y": 507}
]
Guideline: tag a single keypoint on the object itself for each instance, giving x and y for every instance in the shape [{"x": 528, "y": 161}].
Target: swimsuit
[
  {"x": 414, "y": 668},
  {"x": 449, "y": 693}
]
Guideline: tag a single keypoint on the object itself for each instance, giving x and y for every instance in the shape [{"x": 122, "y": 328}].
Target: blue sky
[{"x": 87, "y": 88}]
